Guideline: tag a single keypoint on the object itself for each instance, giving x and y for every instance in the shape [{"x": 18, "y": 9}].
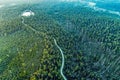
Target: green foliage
[{"x": 89, "y": 40}]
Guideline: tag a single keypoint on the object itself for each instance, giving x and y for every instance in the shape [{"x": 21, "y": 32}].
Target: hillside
[{"x": 90, "y": 41}]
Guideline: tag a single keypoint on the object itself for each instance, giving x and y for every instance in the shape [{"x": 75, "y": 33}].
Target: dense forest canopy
[{"x": 86, "y": 35}]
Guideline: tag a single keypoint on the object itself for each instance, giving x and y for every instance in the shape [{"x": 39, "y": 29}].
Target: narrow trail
[
  {"x": 63, "y": 59},
  {"x": 34, "y": 30}
]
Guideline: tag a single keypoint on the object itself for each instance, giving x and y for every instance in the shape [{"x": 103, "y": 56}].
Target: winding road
[{"x": 63, "y": 59}]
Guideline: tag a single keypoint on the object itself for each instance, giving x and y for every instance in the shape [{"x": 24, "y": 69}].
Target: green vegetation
[{"x": 90, "y": 41}]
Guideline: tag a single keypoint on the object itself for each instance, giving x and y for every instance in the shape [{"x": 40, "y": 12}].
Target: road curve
[{"x": 63, "y": 59}]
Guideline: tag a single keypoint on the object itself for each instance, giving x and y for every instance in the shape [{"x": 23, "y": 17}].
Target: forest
[{"x": 90, "y": 41}]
